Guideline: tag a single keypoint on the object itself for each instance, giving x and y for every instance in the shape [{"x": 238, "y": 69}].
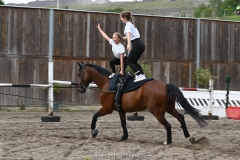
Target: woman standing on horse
[
  {"x": 138, "y": 47},
  {"x": 118, "y": 50}
]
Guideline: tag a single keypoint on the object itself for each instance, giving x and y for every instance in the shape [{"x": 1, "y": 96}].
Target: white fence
[{"x": 200, "y": 100}]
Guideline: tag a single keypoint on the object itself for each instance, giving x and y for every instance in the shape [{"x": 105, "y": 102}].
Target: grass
[
  {"x": 150, "y": 7},
  {"x": 145, "y": 7},
  {"x": 232, "y": 18},
  {"x": 67, "y": 110}
]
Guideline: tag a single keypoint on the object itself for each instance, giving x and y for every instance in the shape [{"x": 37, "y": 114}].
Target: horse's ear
[
  {"x": 82, "y": 63},
  {"x": 79, "y": 64}
]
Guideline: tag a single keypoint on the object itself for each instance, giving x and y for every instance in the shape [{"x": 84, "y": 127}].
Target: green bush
[
  {"x": 146, "y": 70},
  {"x": 56, "y": 87},
  {"x": 22, "y": 107},
  {"x": 208, "y": 12},
  {"x": 183, "y": 14},
  {"x": 198, "y": 12},
  {"x": 202, "y": 76},
  {"x": 118, "y": 10}
]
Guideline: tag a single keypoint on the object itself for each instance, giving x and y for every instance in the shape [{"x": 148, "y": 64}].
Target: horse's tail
[{"x": 174, "y": 91}]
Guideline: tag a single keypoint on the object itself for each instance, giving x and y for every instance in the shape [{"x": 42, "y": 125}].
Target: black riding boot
[{"x": 119, "y": 90}]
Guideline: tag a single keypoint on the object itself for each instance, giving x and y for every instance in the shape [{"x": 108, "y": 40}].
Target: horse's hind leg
[
  {"x": 160, "y": 117},
  {"x": 171, "y": 109}
]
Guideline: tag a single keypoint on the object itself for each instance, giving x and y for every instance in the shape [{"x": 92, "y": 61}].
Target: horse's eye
[{"x": 78, "y": 75}]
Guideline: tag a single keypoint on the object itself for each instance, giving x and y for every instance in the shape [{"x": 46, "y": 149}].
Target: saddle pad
[{"x": 131, "y": 85}]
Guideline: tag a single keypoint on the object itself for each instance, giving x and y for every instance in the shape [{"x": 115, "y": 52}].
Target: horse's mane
[{"x": 101, "y": 70}]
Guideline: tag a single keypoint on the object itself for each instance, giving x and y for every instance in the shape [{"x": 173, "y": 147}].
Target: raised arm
[{"x": 103, "y": 33}]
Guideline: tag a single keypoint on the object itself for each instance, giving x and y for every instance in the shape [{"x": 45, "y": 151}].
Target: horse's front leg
[
  {"x": 96, "y": 115},
  {"x": 123, "y": 123},
  {"x": 94, "y": 131}
]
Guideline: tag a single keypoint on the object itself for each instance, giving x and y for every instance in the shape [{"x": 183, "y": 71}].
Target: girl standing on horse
[
  {"x": 118, "y": 50},
  {"x": 138, "y": 47}
]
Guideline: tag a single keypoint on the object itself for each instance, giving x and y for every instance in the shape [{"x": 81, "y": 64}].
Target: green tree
[
  {"x": 1, "y": 2},
  {"x": 198, "y": 12},
  {"x": 229, "y": 6},
  {"x": 217, "y": 7}
]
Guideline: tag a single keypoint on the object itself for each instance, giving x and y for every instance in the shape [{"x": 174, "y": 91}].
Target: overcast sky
[{"x": 17, "y": 1}]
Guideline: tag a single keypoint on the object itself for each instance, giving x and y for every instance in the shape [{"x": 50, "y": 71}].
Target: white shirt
[
  {"x": 117, "y": 49},
  {"x": 133, "y": 30}
]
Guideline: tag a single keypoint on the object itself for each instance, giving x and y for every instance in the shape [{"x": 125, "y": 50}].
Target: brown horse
[{"x": 156, "y": 96}]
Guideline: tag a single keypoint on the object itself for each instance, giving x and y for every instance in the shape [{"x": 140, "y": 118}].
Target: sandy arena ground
[{"x": 24, "y": 136}]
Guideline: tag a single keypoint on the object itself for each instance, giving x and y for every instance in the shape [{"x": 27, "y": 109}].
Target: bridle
[{"x": 81, "y": 85}]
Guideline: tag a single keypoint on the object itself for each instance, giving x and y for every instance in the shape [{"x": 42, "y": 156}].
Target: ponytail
[
  {"x": 132, "y": 22},
  {"x": 128, "y": 16}
]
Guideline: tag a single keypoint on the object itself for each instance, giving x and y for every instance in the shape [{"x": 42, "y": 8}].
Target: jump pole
[
  {"x": 50, "y": 117},
  {"x": 50, "y": 91},
  {"x": 210, "y": 116},
  {"x": 210, "y": 104},
  {"x": 211, "y": 82}
]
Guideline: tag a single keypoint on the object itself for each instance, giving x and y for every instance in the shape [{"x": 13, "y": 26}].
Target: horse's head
[{"x": 84, "y": 79}]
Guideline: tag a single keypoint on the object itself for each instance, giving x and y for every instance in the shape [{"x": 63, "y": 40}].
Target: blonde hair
[
  {"x": 128, "y": 16},
  {"x": 119, "y": 36}
]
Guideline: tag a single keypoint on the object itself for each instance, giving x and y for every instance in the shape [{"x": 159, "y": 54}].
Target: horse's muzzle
[{"x": 82, "y": 89}]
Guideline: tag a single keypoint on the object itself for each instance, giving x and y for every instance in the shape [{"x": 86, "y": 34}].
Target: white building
[
  {"x": 120, "y": 0},
  {"x": 126, "y": 0}
]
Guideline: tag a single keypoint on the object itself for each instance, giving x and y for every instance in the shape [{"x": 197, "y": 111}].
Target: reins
[{"x": 90, "y": 137}]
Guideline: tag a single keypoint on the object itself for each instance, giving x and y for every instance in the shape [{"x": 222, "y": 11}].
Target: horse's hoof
[
  {"x": 166, "y": 143},
  {"x": 94, "y": 133},
  {"x": 122, "y": 138},
  {"x": 191, "y": 139}
]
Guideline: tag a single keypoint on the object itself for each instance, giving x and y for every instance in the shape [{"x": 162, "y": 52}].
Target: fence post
[
  {"x": 228, "y": 80},
  {"x": 198, "y": 45},
  {"x": 211, "y": 82},
  {"x": 210, "y": 116},
  {"x": 57, "y": 4},
  {"x": 50, "y": 64}
]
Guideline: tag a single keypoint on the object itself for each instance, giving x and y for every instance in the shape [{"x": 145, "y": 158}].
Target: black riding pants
[
  {"x": 138, "y": 48},
  {"x": 116, "y": 61}
]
